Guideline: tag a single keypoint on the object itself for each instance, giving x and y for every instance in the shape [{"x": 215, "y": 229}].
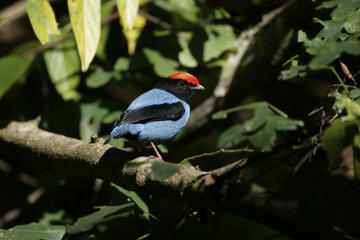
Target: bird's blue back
[{"x": 155, "y": 131}]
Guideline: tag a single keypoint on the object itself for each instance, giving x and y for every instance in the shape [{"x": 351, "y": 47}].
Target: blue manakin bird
[{"x": 159, "y": 114}]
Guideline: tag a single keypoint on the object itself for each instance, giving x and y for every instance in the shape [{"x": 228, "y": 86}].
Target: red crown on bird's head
[{"x": 185, "y": 76}]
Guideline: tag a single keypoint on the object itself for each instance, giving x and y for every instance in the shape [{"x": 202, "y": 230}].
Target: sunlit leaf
[
  {"x": 135, "y": 198},
  {"x": 163, "y": 170},
  {"x": 12, "y": 68},
  {"x": 132, "y": 34},
  {"x": 185, "y": 56},
  {"x": 33, "y": 231},
  {"x": 163, "y": 66},
  {"x": 220, "y": 39},
  {"x": 98, "y": 78},
  {"x": 63, "y": 65},
  {"x": 42, "y": 19},
  {"x": 352, "y": 24},
  {"x": 104, "y": 214},
  {"x": 220, "y": 115},
  {"x": 85, "y": 20},
  {"x": 127, "y": 10},
  {"x": 122, "y": 64}
]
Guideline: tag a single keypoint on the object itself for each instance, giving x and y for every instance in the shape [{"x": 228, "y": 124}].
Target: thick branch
[{"x": 221, "y": 188}]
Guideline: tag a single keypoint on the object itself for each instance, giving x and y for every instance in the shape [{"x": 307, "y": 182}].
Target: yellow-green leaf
[
  {"x": 85, "y": 17},
  {"x": 133, "y": 34},
  {"x": 127, "y": 10},
  {"x": 42, "y": 19}
]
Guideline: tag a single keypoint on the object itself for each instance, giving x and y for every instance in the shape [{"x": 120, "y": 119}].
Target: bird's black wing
[{"x": 158, "y": 112}]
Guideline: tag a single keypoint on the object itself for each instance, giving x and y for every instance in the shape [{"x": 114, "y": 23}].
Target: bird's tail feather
[{"x": 108, "y": 140}]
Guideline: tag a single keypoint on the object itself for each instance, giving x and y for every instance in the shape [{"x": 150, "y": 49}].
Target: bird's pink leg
[{"x": 156, "y": 151}]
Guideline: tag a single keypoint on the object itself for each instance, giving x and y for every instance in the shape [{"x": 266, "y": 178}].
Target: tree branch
[
  {"x": 26, "y": 142},
  {"x": 223, "y": 188}
]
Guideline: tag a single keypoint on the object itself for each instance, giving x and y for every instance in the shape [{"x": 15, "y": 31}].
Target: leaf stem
[
  {"x": 339, "y": 79},
  {"x": 241, "y": 150},
  {"x": 275, "y": 109}
]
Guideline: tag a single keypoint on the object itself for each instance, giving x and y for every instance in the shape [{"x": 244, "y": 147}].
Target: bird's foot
[
  {"x": 156, "y": 151},
  {"x": 155, "y": 157}
]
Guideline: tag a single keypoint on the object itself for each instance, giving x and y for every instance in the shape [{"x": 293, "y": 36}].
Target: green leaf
[
  {"x": 354, "y": 93},
  {"x": 50, "y": 217},
  {"x": 331, "y": 42},
  {"x": 98, "y": 78},
  {"x": 220, "y": 115},
  {"x": 284, "y": 124},
  {"x": 33, "y": 231},
  {"x": 127, "y": 10},
  {"x": 162, "y": 148},
  {"x": 91, "y": 118},
  {"x": 135, "y": 198},
  {"x": 264, "y": 138},
  {"x": 133, "y": 34},
  {"x": 356, "y": 154},
  {"x": 111, "y": 117},
  {"x": 104, "y": 214},
  {"x": 42, "y": 19},
  {"x": 352, "y": 107},
  {"x": 122, "y": 64},
  {"x": 232, "y": 136},
  {"x": 260, "y": 130},
  {"x": 12, "y": 69},
  {"x": 261, "y": 114},
  {"x": 339, "y": 135},
  {"x": 220, "y": 39},
  {"x": 185, "y": 10},
  {"x": 117, "y": 143},
  {"x": 106, "y": 10},
  {"x": 352, "y": 24},
  {"x": 85, "y": 19},
  {"x": 163, "y": 170},
  {"x": 163, "y": 66},
  {"x": 63, "y": 66},
  {"x": 185, "y": 56}
]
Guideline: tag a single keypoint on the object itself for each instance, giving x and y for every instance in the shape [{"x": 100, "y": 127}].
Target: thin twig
[
  {"x": 307, "y": 156},
  {"x": 241, "y": 150},
  {"x": 339, "y": 79},
  {"x": 156, "y": 20}
]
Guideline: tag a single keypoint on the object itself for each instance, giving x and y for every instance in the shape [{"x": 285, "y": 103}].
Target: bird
[{"x": 157, "y": 115}]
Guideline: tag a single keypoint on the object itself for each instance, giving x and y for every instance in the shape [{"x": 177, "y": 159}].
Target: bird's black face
[{"x": 180, "y": 88}]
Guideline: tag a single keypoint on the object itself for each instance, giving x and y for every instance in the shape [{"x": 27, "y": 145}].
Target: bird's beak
[{"x": 197, "y": 88}]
